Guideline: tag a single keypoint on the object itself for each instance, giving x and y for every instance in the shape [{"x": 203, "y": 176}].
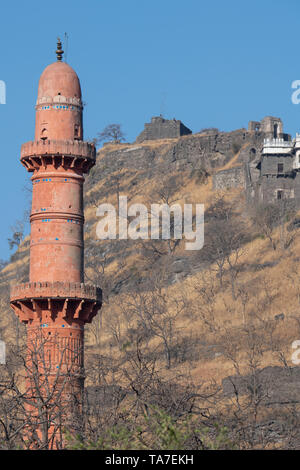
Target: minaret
[{"x": 55, "y": 304}]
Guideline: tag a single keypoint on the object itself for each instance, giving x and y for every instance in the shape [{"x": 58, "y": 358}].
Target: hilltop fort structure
[
  {"x": 270, "y": 126},
  {"x": 273, "y": 173},
  {"x": 268, "y": 163},
  {"x": 279, "y": 167},
  {"x": 268, "y": 166},
  {"x": 56, "y": 303},
  {"x": 160, "y": 128}
]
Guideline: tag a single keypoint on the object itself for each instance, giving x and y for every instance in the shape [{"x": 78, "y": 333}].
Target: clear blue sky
[{"x": 208, "y": 63}]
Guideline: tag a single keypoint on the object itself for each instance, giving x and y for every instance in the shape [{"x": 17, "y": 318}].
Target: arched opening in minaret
[
  {"x": 275, "y": 131},
  {"x": 44, "y": 134},
  {"x": 76, "y": 132}
]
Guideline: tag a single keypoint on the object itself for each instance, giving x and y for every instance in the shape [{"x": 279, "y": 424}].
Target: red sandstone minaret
[{"x": 56, "y": 303}]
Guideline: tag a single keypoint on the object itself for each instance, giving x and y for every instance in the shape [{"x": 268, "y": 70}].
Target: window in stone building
[
  {"x": 275, "y": 130},
  {"x": 279, "y": 194},
  {"x": 252, "y": 153},
  {"x": 280, "y": 168}
]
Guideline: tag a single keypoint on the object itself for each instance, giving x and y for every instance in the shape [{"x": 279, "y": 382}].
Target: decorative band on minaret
[{"x": 55, "y": 300}]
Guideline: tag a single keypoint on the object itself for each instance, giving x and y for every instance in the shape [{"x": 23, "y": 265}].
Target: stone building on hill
[
  {"x": 279, "y": 168},
  {"x": 269, "y": 170},
  {"x": 270, "y": 126},
  {"x": 160, "y": 128}
]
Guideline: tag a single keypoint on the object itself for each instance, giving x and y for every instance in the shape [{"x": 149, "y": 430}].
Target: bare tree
[
  {"x": 39, "y": 398},
  {"x": 155, "y": 314},
  {"x": 226, "y": 236},
  {"x": 267, "y": 217},
  {"x": 17, "y": 235},
  {"x": 112, "y": 132}
]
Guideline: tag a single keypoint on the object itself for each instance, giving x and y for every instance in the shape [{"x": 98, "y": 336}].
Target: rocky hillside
[{"x": 213, "y": 319}]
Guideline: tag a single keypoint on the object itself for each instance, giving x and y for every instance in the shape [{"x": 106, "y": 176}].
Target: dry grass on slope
[{"x": 218, "y": 327}]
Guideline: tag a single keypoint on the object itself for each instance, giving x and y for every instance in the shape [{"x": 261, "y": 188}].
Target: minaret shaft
[{"x": 56, "y": 226}]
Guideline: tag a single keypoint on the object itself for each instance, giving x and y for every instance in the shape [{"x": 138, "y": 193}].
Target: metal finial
[{"x": 59, "y": 51}]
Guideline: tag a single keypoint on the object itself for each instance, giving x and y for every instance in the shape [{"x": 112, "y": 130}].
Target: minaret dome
[{"x": 59, "y": 105}]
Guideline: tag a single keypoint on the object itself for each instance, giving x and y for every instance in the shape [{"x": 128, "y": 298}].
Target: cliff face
[
  {"x": 210, "y": 150},
  {"x": 188, "y": 168}
]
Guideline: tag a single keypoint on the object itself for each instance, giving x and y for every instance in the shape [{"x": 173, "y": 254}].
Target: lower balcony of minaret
[{"x": 55, "y": 303}]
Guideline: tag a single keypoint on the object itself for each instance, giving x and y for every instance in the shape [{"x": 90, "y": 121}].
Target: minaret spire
[{"x": 59, "y": 51}]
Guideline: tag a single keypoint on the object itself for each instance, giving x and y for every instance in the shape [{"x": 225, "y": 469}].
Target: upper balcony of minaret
[{"x": 69, "y": 154}]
